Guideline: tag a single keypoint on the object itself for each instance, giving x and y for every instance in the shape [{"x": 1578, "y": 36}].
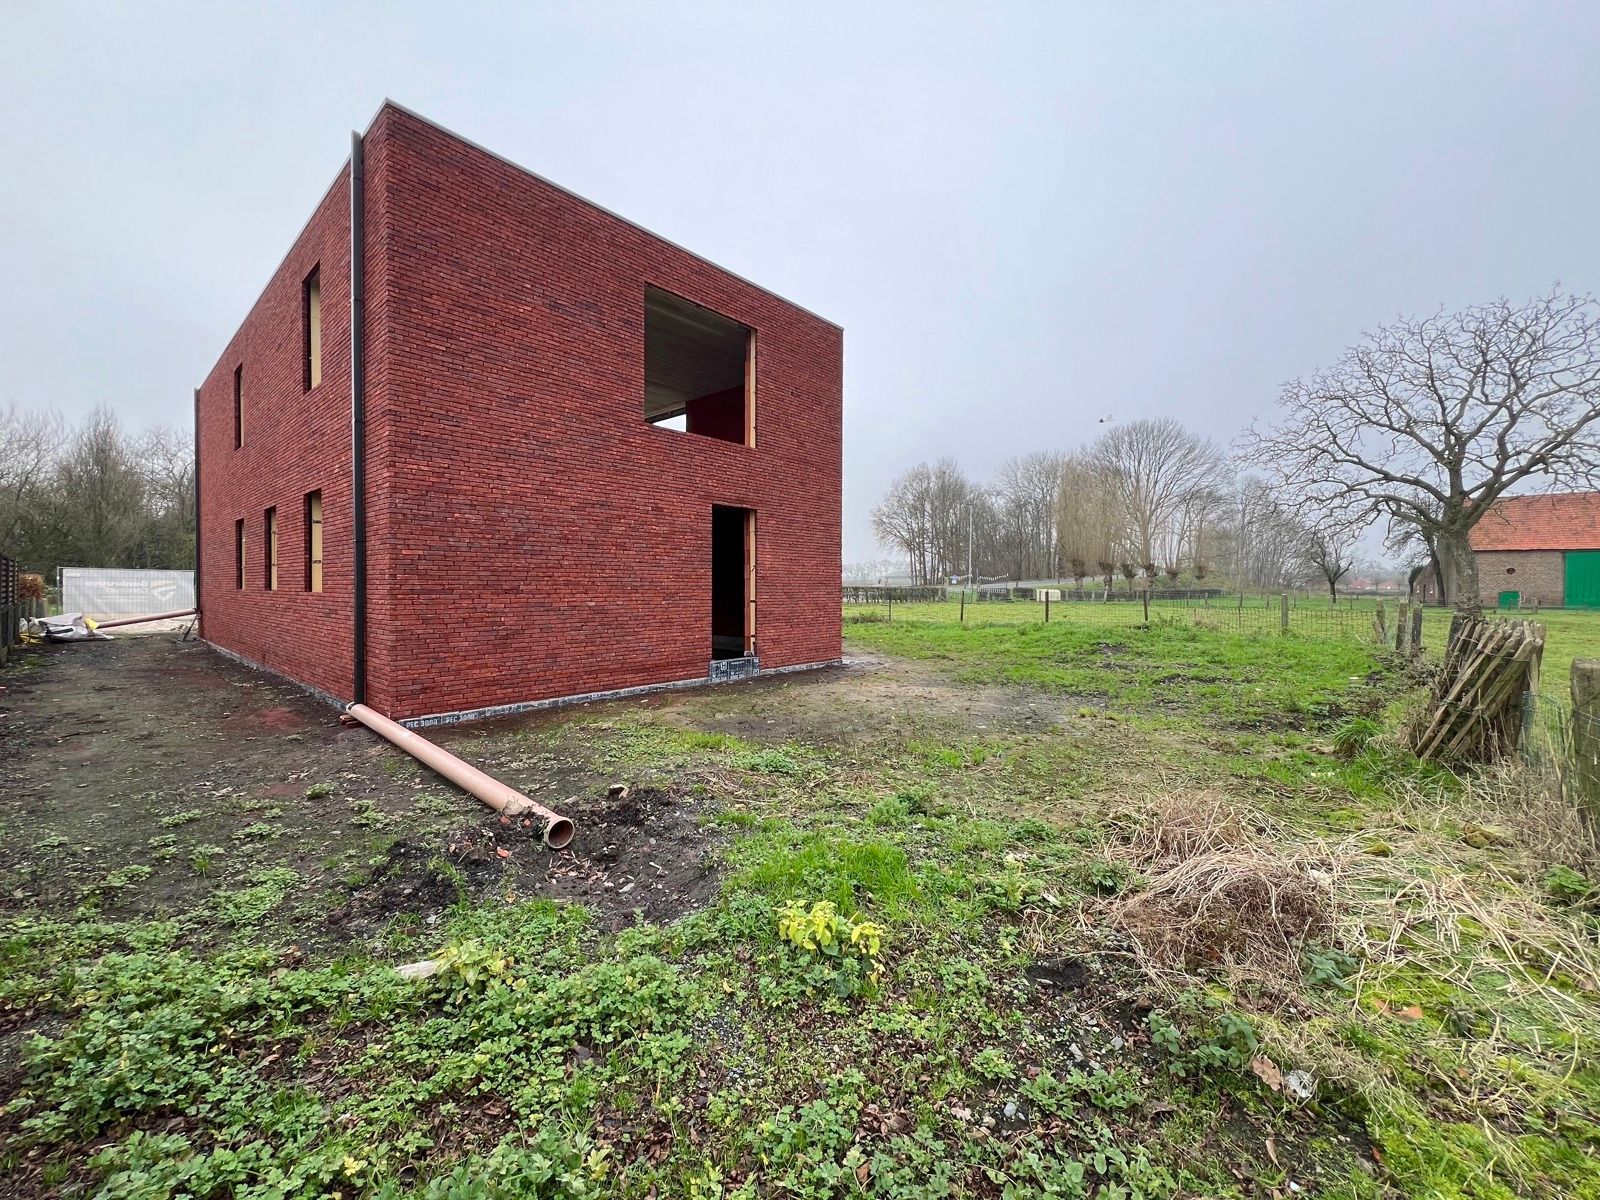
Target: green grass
[{"x": 1173, "y": 664}]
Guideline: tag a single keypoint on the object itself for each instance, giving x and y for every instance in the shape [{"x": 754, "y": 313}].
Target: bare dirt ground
[
  {"x": 865, "y": 699},
  {"x": 150, "y": 759},
  {"x": 155, "y": 760}
]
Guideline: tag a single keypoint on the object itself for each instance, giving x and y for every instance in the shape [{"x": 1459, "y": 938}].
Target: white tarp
[
  {"x": 118, "y": 592},
  {"x": 68, "y": 627}
]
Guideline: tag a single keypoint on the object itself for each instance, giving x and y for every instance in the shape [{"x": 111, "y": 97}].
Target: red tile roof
[{"x": 1565, "y": 521}]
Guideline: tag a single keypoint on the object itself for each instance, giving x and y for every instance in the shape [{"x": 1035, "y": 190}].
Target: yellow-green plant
[{"x": 853, "y": 945}]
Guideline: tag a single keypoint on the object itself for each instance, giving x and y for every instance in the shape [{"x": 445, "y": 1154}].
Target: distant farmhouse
[{"x": 1541, "y": 550}]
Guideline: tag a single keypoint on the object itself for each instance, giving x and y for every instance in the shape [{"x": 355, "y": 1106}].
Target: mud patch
[
  {"x": 641, "y": 855},
  {"x": 421, "y": 879},
  {"x": 1059, "y": 975}
]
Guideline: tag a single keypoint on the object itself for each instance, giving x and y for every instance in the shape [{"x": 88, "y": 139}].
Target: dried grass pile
[
  {"x": 1223, "y": 897},
  {"x": 1176, "y": 827}
]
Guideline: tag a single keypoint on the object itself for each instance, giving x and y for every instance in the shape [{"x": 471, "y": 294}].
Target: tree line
[
  {"x": 1417, "y": 429},
  {"x": 94, "y": 494},
  {"x": 1149, "y": 501}
]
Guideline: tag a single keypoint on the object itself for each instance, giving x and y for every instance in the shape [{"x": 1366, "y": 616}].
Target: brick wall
[
  {"x": 546, "y": 540},
  {"x": 294, "y": 441},
  {"x": 1540, "y": 575}
]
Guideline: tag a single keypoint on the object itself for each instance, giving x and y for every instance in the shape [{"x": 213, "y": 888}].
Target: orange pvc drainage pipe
[
  {"x": 182, "y": 612},
  {"x": 507, "y": 801}
]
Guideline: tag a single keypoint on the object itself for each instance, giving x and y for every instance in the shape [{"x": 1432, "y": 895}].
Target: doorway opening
[{"x": 733, "y": 582}]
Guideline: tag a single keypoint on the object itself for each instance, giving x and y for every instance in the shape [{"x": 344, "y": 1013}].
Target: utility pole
[{"x": 972, "y": 579}]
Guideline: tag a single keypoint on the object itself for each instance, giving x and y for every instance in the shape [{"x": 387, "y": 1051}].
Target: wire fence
[{"x": 1302, "y": 616}]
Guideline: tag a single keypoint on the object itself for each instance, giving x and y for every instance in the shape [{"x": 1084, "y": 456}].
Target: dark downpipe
[
  {"x": 197, "y": 554},
  {"x": 358, "y": 421}
]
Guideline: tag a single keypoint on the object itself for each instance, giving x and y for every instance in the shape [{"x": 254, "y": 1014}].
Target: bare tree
[
  {"x": 1430, "y": 421},
  {"x": 1330, "y": 549},
  {"x": 1156, "y": 468},
  {"x": 1026, "y": 496},
  {"x": 901, "y": 520},
  {"x": 95, "y": 509},
  {"x": 927, "y": 514},
  {"x": 165, "y": 458},
  {"x": 29, "y": 442},
  {"x": 1089, "y": 521}
]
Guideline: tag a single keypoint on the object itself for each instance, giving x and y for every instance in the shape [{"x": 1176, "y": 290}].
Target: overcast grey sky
[{"x": 1025, "y": 216}]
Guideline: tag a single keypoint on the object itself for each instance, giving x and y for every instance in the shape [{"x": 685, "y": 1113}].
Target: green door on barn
[{"x": 1583, "y": 579}]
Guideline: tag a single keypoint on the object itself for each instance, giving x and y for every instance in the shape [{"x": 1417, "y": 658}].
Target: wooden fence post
[
  {"x": 1147, "y": 606},
  {"x": 1380, "y": 625},
  {"x": 1283, "y": 613},
  {"x": 1416, "y": 630},
  {"x": 1586, "y": 737},
  {"x": 1402, "y": 629},
  {"x": 1047, "y": 607}
]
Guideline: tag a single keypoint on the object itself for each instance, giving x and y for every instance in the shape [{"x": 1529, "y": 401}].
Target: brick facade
[
  {"x": 294, "y": 441},
  {"x": 1539, "y": 575},
  {"x": 530, "y": 535}
]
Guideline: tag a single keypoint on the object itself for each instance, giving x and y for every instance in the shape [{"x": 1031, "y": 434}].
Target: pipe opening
[{"x": 558, "y": 833}]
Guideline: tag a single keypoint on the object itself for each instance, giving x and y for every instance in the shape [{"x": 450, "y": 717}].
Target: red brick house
[
  {"x": 1542, "y": 550},
  {"x": 482, "y": 445}
]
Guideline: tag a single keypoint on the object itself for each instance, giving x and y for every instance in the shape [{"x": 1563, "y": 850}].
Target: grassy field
[
  {"x": 1093, "y": 909},
  {"x": 1569, "y": 635}
]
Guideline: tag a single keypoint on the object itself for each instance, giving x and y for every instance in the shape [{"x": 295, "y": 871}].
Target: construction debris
[{"x": 67, "y": 627}]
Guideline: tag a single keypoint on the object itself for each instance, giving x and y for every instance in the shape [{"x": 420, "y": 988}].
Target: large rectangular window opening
[
  {"x": 270, "y": 563},
  {"x": 314, "y": 541},
  {"x": 238, "y": 406},
  {"x": 311, "y": 311},
  {"x": 238, "y": 553},
  {"x": 699, "y": 370},
  {"x": 733, "y": 582}
]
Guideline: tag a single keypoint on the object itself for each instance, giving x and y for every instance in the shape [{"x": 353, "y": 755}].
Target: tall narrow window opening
[
  {"x": 314, "y": 541},
  {"x": 272, "y": 550},
  {"x": 312, "y": 312},
  {"x": 238, "y": 553},
  {"x": 238, "y": 406},
  {"x": 699, "y": 369}
]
